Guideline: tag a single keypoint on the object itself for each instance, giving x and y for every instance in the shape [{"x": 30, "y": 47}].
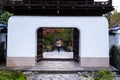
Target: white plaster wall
[
  {"x": 117, "y": 39},
  {"x": 112, "y": 41},
  {"x": 22, "y": 34}
]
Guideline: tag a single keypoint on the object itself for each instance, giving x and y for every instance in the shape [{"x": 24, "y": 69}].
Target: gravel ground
[{"x": 57, "y": 76}]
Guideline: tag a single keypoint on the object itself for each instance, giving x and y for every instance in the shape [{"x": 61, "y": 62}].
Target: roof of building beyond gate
[{"x": 114, "y": 29}]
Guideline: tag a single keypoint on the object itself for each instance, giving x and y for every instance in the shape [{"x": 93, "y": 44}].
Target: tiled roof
[{"x": 114, "y": 29}]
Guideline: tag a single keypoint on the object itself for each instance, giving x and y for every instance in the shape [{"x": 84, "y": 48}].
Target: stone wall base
[
  {"x": 84, "y": 61},
  {"x": 21, "y": 61},
  {"x": 94, "y": 62}
]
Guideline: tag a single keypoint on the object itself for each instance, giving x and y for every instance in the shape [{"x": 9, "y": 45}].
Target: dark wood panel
[
  {"x": 39, "y": 45},
  {"x": 76, "y": 45}
]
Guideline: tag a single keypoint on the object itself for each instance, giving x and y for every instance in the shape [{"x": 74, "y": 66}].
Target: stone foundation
[
  {"x": 94, "y": 62},
  {"x": 84, "y": 61},
  {"x": 21, "y": 61}
]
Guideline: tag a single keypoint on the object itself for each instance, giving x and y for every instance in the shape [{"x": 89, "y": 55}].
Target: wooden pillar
[
  {"x": 76, "y": 45},
  {"x": 39, "y": 45},
  {"x": 110, "y": 2}
]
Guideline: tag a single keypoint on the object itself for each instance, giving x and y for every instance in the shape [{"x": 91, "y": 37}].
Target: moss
[
  {"x": 12, "y": 75},
  {"x": 103, "y": 75}
]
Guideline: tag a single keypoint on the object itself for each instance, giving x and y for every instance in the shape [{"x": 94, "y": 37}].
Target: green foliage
[
  {"x": 115, "y": 56},
  {"x": 86, "y": 75},
  {"x": 4, "y": 16},
  {"x": 1, "y": 12},
  {"x": 50, "y": 35},
  {"x": 1, "y": 2},
  {"x": 113, "y": 18},
  {"x": 103, "y": 75},
  {"x": 12, "y": 75},
  {"x": 48, "y": 39}
]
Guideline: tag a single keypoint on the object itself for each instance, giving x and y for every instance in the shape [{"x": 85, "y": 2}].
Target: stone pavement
[
  {"x": 57, "y": 65},
  {"x": 56, "y": 77},
  {"x": 63, "y": 76},
  {"x": 117, "y": 77}
]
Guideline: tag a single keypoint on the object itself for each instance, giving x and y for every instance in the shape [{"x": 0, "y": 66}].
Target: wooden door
[
  {"x": 39, "y": 45},
  {"x": 76, "y": 45}
]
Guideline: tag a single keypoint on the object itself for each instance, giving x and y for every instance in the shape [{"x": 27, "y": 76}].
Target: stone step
[
  {"x": 56, "y": 72},
  {"x": 56, "y": 77}
]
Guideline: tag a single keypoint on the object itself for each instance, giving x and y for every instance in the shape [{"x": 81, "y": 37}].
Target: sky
[{"x": 116, "y": 4}]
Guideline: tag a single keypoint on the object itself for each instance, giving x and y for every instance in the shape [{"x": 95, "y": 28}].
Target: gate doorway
[{"x": 46, "y": 38}]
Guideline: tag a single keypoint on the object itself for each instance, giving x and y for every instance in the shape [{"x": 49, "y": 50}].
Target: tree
[
  {"x": 1, "y": 3},
  {"x": 113, "y": 18},
  {"x": 4, "y": 16},
  {"x": 1, "y": 12},
  {"x": 50, "y": 35}
]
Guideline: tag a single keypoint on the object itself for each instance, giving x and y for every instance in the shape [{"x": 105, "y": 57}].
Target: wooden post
[{"x": 110, "y": 2}]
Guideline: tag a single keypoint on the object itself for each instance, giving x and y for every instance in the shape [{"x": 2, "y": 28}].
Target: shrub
[
  {"x": 103, "y": 75},
  {"x": 115, "y": 56},
  {"x": 2, "y": 59},
  {"x": 12, "y": 75}
]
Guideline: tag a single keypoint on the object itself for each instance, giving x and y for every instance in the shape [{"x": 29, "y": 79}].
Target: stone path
[
  {"x": 64, "y": 76},
  {"x": 117, "y": 77},
  {"x": 56, "y": 77},
  {"x": 57, "y": 65}
]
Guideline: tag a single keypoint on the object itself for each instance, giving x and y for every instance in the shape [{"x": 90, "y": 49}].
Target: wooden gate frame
[{"x": 75, "y": 44}]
